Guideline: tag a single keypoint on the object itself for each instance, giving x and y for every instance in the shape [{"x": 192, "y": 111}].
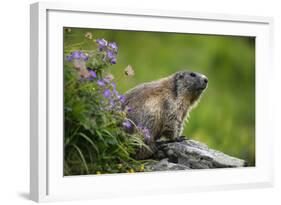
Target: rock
[
  {"x": 191, "y": 154},
  {"x": 165, "y": 165}
]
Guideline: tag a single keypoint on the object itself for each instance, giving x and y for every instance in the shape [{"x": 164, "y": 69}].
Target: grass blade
[
  {"x": 89, "y": 140},
  {"x": 82, "y": 157}
]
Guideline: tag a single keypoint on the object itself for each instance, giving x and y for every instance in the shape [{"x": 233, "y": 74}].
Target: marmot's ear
[{"x": 179, "y": 75}]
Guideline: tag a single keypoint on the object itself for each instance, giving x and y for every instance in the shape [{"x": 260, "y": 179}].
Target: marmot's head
[{"x": 190, "y": 84}]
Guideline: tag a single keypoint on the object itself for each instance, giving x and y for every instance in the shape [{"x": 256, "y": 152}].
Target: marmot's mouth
[
  {"x": 202, "y": 87},
  {"x": 198, "y": 89}
]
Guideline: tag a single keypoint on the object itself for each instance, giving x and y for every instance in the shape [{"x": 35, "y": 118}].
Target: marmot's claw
[{"x": 180, "y": 139}]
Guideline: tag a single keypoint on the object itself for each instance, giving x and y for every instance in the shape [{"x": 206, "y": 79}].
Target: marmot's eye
[{"x": 192, "y": 74}]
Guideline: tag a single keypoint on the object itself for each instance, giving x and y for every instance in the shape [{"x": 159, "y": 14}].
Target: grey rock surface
[
  {"x": 164, "y": 164},
  {"x": 191, "y": 154}
]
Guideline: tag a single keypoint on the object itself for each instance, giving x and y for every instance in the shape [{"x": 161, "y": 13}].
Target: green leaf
[
  {"x": 100, "y": 136},
  {"x": 108, "y": 133},
  {"x": 81, "y": 156},
  {"x": 89, "y": 140}
]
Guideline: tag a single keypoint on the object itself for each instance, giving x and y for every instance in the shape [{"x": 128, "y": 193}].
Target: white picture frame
[{"x": 47, "y": 182}]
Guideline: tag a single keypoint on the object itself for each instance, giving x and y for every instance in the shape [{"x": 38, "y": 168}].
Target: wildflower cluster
[
  {"x": 108, "y": 49},
  {"x": 112, "y": 99},
  {"x": 96, "y": 127},
  {"x": 78, "y": 55},
  {"x": 79, "y": 59},
  {"x": 96, "y": 60}
]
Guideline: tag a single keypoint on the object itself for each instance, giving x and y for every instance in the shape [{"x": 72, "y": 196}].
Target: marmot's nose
[{"x": 205, "y": 80}]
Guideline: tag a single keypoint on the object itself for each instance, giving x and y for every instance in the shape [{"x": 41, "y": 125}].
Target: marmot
[{"x": 162, "y": 106}]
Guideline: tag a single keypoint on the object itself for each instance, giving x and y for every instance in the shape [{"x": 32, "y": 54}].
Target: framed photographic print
[{"x": 127, "y": 102}]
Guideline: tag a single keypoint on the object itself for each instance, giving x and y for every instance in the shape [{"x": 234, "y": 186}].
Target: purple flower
[
  {"x": 102, "y": 43},
  {"x": 146, "y": 134},
  {"x": 101, "y": 83},
  {"x": 110, "y": 55},
  {"x": 76, "y": 54},
  {"x": 106, "y": 93},
  {"x": 127, "y": 124},
  {"x": 113, "y": 61},
  {"x": 113, "y": 45},
  {"x": 129, "y": 109},
  {"x": 84, "y": 56},
  {"x": 122, "y": 98},
  {"x": 93, "y": 74},
  {"x": 69, "y": 58}
]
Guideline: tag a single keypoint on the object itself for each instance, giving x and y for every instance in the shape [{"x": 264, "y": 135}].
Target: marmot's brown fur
[{"x": 162, "y": 106}]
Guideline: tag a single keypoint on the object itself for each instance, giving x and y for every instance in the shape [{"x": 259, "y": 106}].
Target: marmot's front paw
[{"x": 180, "y": 139}]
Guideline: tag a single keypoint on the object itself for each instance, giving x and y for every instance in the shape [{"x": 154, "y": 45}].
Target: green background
[{"x": 225, "y": 117}]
